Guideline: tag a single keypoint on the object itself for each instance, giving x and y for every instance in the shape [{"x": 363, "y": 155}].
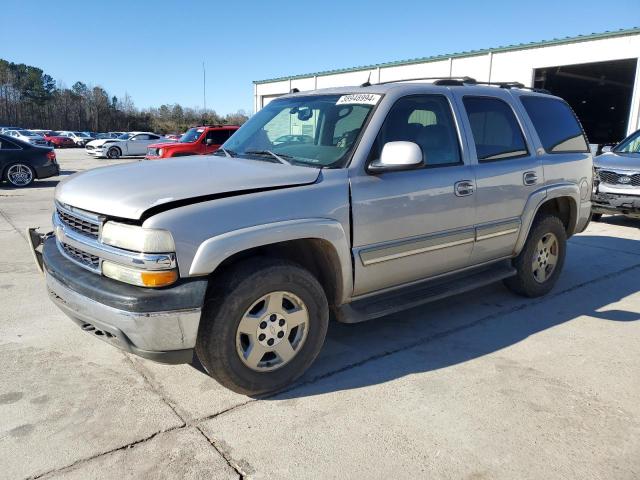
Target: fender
[
  {"x": 535, "y": 201},
  {"x": 212, "y": 252}
]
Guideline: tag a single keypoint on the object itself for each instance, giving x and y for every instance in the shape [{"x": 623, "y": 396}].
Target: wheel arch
[
  {"x": 560, "y": 200},
  {"x": 319, "y": 245}
]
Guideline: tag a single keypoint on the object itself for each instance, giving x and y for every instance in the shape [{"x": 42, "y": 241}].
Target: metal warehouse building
[{"x": 598, "y": 74}]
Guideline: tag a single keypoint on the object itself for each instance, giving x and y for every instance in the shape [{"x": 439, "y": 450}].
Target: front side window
[
  {"x": 427, "y": 121},
  {"x": 191, "y": 135},
  {"x": 496, "y": 132},
  {"x": 556, "y": 124},
  {"x": 314, "y": 130},
  {"x": 629, "y": 145}
]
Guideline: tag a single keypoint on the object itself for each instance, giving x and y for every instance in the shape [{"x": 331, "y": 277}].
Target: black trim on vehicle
[{"x": 185, "y": 294}]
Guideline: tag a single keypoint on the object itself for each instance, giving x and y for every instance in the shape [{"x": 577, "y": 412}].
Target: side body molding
[
  {"x": 537, "y": 198},
  {"x": 215, "y": 250}
]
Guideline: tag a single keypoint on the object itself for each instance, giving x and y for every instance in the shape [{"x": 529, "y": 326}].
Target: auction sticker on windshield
[{"x": 359, "y": 99}]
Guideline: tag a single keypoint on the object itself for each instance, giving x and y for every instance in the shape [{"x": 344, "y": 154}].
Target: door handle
[
  {"x": 463, "y": 188},
  {"x": 530, "y": 178}
]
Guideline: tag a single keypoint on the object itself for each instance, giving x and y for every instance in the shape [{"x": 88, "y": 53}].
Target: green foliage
[{"x": 30, "y": 98}]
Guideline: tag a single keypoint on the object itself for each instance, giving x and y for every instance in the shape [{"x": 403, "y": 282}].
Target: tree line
[{"x": 30, "y": 98}]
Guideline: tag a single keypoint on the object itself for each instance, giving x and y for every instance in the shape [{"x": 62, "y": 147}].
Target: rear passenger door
[
  {"x": 414, "y": 224},
  {"x": 508, "y": 171}
]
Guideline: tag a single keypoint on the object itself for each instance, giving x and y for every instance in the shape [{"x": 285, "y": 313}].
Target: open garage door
[{"x": 600, "y": 93}]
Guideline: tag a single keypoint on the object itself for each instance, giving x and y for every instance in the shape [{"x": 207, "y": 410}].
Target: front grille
[
  {"x": 152, "y": 152},
  {"x": 84, "y": 258},
  {"x": 614, "y": 178},
  {"x": 79, "y": 224}
]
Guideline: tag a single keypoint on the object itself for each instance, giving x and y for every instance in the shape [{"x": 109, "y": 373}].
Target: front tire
[
  {"x": 541, "y": 260},
  {"x": 263, "y": 324},
  {"x": 114, "y": 153}
]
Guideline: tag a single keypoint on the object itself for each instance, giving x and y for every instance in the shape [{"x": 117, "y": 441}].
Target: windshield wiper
[
  {"x": 280, "y": 157},
  {"x": 227, "y": 153}
]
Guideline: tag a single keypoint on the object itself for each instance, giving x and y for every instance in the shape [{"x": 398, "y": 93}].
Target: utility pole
[{"x": 204, "y": 88}]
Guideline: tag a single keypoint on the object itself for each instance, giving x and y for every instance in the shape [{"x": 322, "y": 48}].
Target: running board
[{"x": 424, "y": 292}]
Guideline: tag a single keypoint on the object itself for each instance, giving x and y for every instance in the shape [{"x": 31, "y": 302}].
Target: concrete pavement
[{"x": 484, "y": 385}]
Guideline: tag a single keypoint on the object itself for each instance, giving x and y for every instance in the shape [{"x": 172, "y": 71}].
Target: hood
[
  {"x": 99, "y": 143},
  {"x": 618, "y": 161},
  {"x": 128, "y": 190},
  {"x": 168, "y": 143}
]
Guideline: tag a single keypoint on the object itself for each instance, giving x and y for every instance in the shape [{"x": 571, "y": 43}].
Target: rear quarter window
[{"x": 556, "y": 124}]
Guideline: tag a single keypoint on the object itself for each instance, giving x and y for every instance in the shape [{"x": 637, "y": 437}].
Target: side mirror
[
  {"x": 209, "y": 141},
  {"x": 607, "y": 149},
  {"x": 397, "y": 156}
]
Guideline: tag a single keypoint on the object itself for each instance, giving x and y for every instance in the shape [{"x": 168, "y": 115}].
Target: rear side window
[
  {"x": 556, "y": 124},
  {"x": 7, "y": 145},
  {"x": 218, "y": 136},
  {"x": 496, "y": 132}
]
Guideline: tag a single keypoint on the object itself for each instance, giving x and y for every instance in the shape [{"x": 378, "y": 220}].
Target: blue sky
[{"x": 154, "y": 49}]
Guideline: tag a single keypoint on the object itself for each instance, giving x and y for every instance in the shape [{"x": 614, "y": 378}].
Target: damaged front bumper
[
  {"x": 157, "y": 324},
  {"x": 616, "y": 204}
]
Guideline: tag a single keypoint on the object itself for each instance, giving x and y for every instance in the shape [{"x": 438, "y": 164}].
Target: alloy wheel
[
  {"x": 272, "y": 331},
  {"x": 545, "y": 257},
  {"x": 20, "y": 175}
]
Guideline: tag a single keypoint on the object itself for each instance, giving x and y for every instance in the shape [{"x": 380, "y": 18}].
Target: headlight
[
  {"x": 138, "y": 239},
  {"x": 160, "y": 150},
  {"x": 141, "y": 278}
]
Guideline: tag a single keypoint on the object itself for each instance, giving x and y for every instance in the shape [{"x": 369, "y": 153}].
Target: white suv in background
[
  {"x": 28, "y": 136},
  {"x": 79, "y": 138}
]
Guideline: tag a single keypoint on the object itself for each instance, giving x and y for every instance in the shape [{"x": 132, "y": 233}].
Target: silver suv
[
  {"x": 617, "y": 179},
  {"x": 402, "y": 194}
]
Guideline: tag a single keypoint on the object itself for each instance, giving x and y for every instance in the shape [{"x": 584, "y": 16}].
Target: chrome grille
[
  {"x": 79, "y": 224},
  {"x": 615, "y": 178},
  {"x": 84, "y": 258}
]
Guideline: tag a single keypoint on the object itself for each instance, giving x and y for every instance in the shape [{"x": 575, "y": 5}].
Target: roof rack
[
  {"x": 460, "y": 80},
  {"x": 463, "y": 81}
]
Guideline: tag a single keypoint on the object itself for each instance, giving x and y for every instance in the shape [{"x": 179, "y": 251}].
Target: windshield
[
  {"x": 124, "y": 136},
  {"x": 318, "y": 130},
  {"x": 27, "y": 133},
  {"x": 630, "y": 145},
  {"x": 191, "y": 135}
]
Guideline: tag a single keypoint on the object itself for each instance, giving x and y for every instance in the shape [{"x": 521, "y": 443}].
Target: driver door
[{"x": 414, "y": 224}]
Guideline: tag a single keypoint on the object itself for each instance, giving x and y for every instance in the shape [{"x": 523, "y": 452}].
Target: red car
[
  {"x": 58, "y": 141},
  {"x": 197, "y": 141}
]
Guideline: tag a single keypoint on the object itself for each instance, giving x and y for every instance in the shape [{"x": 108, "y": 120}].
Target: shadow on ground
[{"x": 472, "y": 339}]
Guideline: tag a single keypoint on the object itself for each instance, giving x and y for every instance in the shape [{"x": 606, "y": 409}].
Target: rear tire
[
  {"x": 19, "y": 175},
  {"x": 263, "y": 324},
  {"x": 541, "y": 260}
]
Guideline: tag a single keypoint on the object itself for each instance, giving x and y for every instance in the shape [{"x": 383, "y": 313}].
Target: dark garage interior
[{"x": 600, "y": 93}]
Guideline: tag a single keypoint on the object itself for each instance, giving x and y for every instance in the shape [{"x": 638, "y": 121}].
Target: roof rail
[{"x": 460, "y": 80}]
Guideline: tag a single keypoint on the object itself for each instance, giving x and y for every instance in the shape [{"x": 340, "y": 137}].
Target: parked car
[
  {"x": 129, "y": 144},
  {"x": 22, "y": 162},
  {"x": 173, "y": 136},
  {"x": 27, "y": 136},
  {"x": 58, "y": 141},
  {"x": 79, "y": 138},
  {"x": 617, "y": 179},
  {"x": 196, "y": 141},
  {"x": 408, "y": 193},
  {"x": 4, "y": 129}
]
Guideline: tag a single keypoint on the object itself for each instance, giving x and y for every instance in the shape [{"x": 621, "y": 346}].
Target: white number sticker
[{"x": 359, "y": 98}]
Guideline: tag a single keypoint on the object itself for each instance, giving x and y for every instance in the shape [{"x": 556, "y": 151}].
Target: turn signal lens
[{"x": 141, "y": 278}]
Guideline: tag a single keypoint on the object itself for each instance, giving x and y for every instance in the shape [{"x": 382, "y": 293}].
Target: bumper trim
[{"x": 166, "y": 337}]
